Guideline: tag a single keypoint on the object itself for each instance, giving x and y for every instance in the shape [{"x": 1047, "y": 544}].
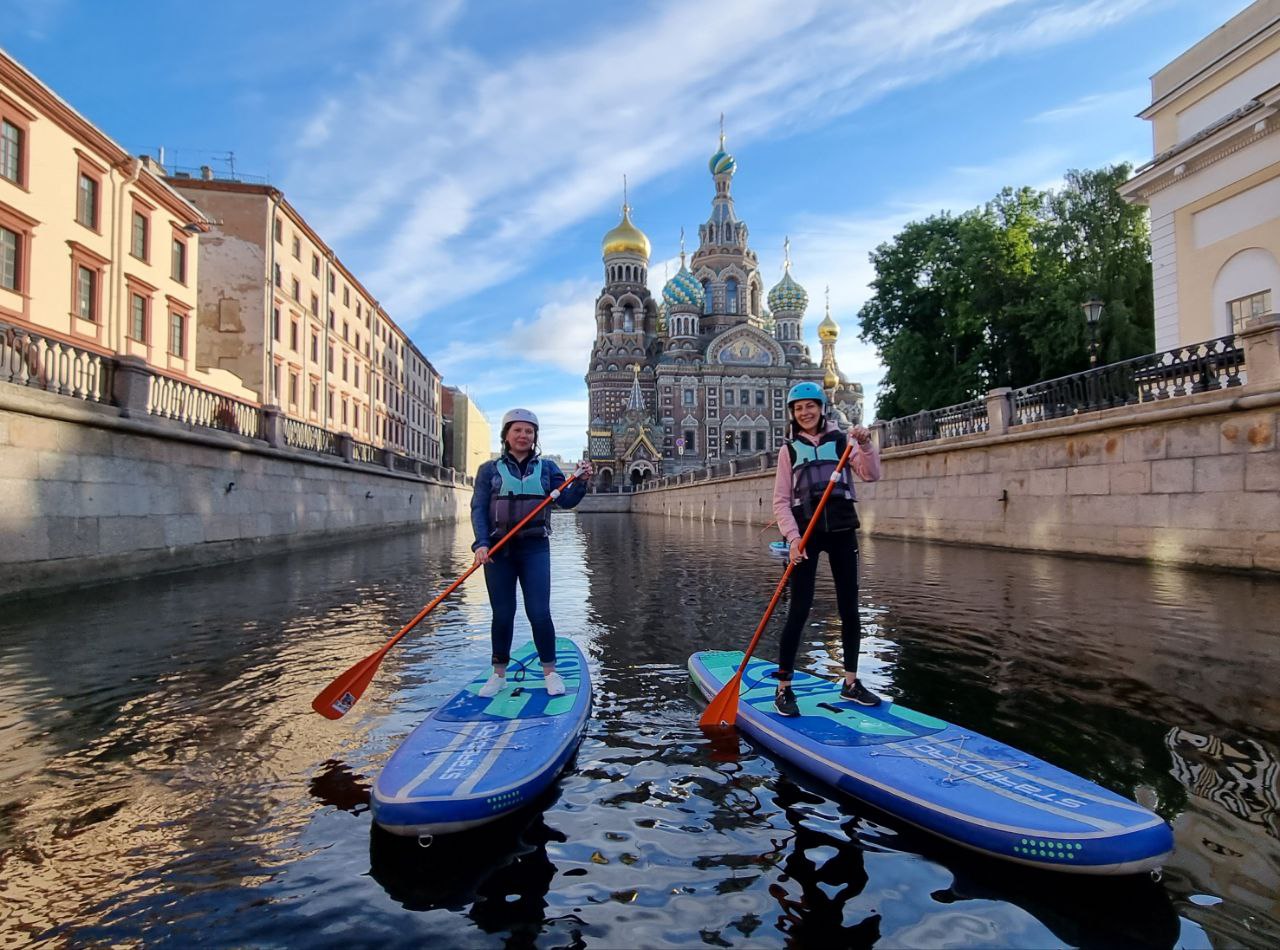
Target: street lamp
[{"x": 1092, "y": 314}]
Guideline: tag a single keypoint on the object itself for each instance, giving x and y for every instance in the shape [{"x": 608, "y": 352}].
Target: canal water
[{"x": 164, "y": 782}]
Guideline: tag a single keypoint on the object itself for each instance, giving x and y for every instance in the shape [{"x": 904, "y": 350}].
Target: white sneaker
[
  {"x": 555, "y": 685},
  {"x": 493, "y": 685}
]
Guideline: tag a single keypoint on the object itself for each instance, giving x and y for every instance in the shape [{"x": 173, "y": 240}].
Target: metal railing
[
  {"x": 309, "y": 438},
  {"x": 29, "y": 359},
  {"x": 170, "y": 398},
  {"x": 964, "y": 418},
  {"x": 1183, "y": 371}
]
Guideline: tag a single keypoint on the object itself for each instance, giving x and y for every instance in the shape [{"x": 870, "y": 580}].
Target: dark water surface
[{"x": 163, "y": 781}]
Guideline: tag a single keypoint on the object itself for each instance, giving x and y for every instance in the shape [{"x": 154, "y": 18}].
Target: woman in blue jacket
[{"x": 506, "y": 490}]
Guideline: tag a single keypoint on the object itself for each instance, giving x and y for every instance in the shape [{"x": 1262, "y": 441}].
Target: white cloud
[{"x": 457, "y": 171}]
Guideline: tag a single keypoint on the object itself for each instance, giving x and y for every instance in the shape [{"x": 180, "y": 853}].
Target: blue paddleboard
[
  {"x": 962, "y": 786},
  {"x": 476, "y": 759},
  {"x": 780, "y": 548}
]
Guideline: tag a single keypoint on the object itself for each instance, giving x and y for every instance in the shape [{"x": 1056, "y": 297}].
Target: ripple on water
[{"x": 165, "y": 781}]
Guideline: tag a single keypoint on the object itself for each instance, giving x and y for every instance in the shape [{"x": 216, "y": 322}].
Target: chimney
[{"x": 206, "y": 173}]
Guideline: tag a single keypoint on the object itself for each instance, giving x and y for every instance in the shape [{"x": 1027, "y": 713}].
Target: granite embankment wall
[
  {"x": 88, "y": 495},
  {"x": 1193, "y": 481}
]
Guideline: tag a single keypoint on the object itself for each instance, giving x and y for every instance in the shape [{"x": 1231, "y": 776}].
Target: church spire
[{"x": 636, "y": 400}]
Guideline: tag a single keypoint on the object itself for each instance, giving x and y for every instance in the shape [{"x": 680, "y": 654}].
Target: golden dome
[
  {"x": 831, "y": 380},
  {"x": 828, "y": 329},
  {"x": 626, "y": 238}
]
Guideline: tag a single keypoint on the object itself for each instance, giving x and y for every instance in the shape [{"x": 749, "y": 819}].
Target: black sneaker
[
  {"x": 859, "y": 694},
  {"x": 785, "y": 702}
]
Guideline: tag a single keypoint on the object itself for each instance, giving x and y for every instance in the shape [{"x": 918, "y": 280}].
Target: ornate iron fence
[
  {"x": 362, "y": 452},
  {"x": 29, "y": 359},
  {"x": 173, "y": 399},
  {"x": 300, "y": 435},
  {"x": 1198, "y": 368},
  {"x": 964, "y": 418}
]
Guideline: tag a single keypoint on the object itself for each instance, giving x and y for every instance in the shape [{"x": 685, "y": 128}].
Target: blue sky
[{"x": 464, "y": 159}]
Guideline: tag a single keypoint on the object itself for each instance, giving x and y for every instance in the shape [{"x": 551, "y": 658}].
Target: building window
[
  {"x": 293, "y": 390},
  {"x": 297, "y": 290},
  {"x": 141, "y": 225},
  {"x": 87, "y": 201},
  {"x": 759, "y": 397},
  {"x": 346, "y": 296},
  {"x": 11, "y": 157},
  {"x": 707, "y": 305},
  {"x": 278, "y": 230},
  {"x": 177, "y": 333},
  {"x": 344, "y": 411},
  {"x": 344, "y": 369},
  {"x": 315, "y": 265},
  {"x": 346, "y": 328},
  {"x": 315, "y": 304},
  {"x": 86, "y": 293},
  {"x": 278, "y": 276},
  {"x": 138, "y": 318},
  {"x": 760, "y": 441},
  {"x": 731, "y": 296},
  {"x": 690, "y": 443},
  {"x": 1245, "y": 308},
  {"x": 331, "y": 368},
  {"x": 293, "y": 336},
  {"x": 297, "y": 248},
  {"x": 275, "y": 324},
  {"x": 275, "y": 381},
  {"x": 10, "y": 260},
  {"x": 178, "y": 266},
  {"x": 355, "y": 381},
  {"x": 746, "y": 397},
  {"x": 728, "y": 397},
  {"x": 333, "y": 283},
  {"x": 314, "y": 398},
  {"x": 315, "y": 348},
  {"x": 329, "y": 405},
  {"x": 688, "y": 397}
]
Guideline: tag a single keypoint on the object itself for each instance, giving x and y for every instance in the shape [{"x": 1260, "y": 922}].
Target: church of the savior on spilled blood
[{"x": 702, "y": 376}]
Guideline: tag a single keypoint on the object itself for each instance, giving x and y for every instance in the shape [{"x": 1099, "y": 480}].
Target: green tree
[{"x": 961, "y": 304}]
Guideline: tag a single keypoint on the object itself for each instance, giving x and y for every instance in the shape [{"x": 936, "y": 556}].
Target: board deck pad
[
  {"x": 963, "y": 786},
  {"x": 476, "y": 758}
]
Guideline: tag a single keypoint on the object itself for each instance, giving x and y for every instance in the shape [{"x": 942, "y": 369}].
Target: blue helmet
[{"x": 807, "y": 391}]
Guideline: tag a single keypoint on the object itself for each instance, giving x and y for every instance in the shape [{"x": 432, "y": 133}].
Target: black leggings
[{"x": 842, "y": 552}]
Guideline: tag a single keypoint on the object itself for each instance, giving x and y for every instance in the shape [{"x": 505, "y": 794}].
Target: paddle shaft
[
  {"x": 336, "y": 699},
  {"x": 723, "y": 708}
]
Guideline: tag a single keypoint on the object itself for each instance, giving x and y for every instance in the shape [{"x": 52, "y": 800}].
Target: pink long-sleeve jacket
[{"x": 865, "y": 463}]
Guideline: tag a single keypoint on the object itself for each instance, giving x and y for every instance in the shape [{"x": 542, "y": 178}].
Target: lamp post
[{"x": 1092, "y": 314}]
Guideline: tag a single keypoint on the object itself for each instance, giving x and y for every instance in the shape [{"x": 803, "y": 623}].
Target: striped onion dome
[
  {"x": 787, "y": 296},
  {"x": 683, "y": 290}
]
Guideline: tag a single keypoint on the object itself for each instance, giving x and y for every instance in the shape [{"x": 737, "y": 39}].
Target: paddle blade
[
  {"x": 336, "y": 699},
  {"x": 723, "y": 708}
]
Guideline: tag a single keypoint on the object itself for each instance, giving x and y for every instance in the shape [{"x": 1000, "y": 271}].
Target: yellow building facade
[
  {"x": 96, "y": 250},
  {"x": 277, "y": 307},
  {"x": 1213, "y": 187},
  {"x": 468, "y": 434}
]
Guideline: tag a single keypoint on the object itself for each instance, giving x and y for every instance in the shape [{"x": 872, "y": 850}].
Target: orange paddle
[
  {"x": 336, "y": 699},
  {"x": 723, "y": 708}
]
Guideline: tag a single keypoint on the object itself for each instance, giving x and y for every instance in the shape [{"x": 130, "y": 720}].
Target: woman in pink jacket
[{"x": 805, "y": 464}]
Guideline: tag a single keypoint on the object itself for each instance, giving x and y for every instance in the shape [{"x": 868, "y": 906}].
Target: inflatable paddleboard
[
  {"x": 475, "y": 759},
  {"x": 953, "y": 782},
  {"x": 780, "y": 548}
]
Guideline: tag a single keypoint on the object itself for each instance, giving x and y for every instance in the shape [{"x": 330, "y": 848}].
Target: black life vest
[{"x": 811, "y": 470}]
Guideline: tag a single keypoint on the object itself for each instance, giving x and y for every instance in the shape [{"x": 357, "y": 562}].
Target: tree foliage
[{"x": 964, "y": 303}]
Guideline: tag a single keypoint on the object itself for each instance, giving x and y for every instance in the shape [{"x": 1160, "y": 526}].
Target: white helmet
[{"x": 519, "y": 415}]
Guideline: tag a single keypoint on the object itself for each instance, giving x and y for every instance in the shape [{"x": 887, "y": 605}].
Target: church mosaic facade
[{"x": 699, "y": 376}]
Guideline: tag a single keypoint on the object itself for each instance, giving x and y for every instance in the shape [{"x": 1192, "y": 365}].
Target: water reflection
[{"x": 166, "y": 782}]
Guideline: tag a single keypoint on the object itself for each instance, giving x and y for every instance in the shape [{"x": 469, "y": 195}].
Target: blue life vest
[
  {"x": 811, "y": 469},
  {"x": 512, "y": 497}
]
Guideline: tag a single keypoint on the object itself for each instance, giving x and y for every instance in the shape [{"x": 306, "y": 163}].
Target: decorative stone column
[
  {"x": 273, "y": 427},
  {"x": 1261, "y": 341},
  {"x": 877, "y": 434},
  {"x": 131, "y": 385},
  {"x": 999, "y": 410},
  {"x": 346, "y": 446}
]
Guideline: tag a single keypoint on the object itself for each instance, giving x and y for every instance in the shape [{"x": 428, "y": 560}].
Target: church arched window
[
  {"x": 731, "y": 295},
  {"x": 755, "y": 298},
  {"x": 628, "y": 319},
  {"x": 707, "y": 303}
]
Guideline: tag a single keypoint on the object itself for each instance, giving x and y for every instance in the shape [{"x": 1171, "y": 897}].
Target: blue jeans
[{"x": 527, "y": 560}]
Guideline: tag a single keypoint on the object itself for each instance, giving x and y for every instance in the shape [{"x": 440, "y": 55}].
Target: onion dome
[
  {"x": 722, "y": 163},
  {"x": 787, "y": 296},
  {"x": 828, "y": 329},
  {"x": 831, "y": 379},
  {"x": 683, "y": 289},
  {"x": 626, "y": 238}
]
